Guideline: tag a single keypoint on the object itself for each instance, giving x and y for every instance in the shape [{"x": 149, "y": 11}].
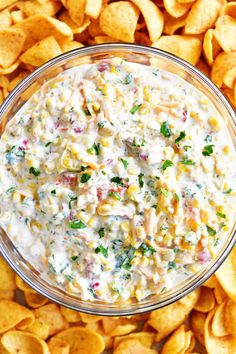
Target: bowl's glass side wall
[{"x": 24, "y": 91}]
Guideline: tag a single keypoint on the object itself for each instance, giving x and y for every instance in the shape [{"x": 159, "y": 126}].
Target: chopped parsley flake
[
  {"x": 74, "y": 258},
  {"x": 211, "y": 231},
  {"x": 181, "y": 136},
  {"x": 103, "y": 250},
  {"x": 140, "y": 180},
  {"x": 165, "y": 130},
  {"x": 208, "y": 139},
  {"x": 34, "y": 171},
  {"x": 101, "y": 124},
  {"x": 115, "y": 195},
  {"x": 128, "y": 79},
  {"x": 166, "y": 164},
  {"x": 11, "y": 190},
  {"x": 147, "y": 250},
  {"x": 221, "y": 215},
  {"x": 94, "y": 150},
  {"x": 53, "y": 191},
  {"x": 135, "y": 108},
  {"x": 117, "y": 180},
  {"x": 85, "y": 178},
  {"x": 176, "y": 197},
  {"x": 77, "y": 224},
  {"x": 164, "y": 192},
  {"x": 125, "y": 163},
  {"x": 101, "y": 232},
  {"x": 171, "y": 265},
  {"x": 187, "y": 162},
  {"x": 72, "y": 198},
  {"x": 228, "y": 191},
  {"x": 207, "y": 150}
]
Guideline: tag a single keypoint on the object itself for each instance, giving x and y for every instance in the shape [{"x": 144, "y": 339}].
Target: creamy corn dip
[{"x": 117, "y": 180}]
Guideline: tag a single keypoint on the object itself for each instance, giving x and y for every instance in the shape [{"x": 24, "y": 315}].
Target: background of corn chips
[{"x": 202, "y": 32}]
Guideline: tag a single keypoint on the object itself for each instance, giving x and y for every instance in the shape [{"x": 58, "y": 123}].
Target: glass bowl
[{"x": 138, "y": 54}]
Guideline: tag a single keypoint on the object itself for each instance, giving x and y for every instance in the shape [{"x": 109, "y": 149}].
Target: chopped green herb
[
  {"x": 140, "y": 180},
  {"x": 215, "y": 241},
  {"x": 104, "y": 172},
  {"x": 221, "y": 215},
  {"x": 72, "y": 199},
  {"x": 49, "y": 143},
  {"x": 101, "y": 232},
  {"x": 181, "y": 136},
  {"x": 74, "y": 258},
  {"x": 167, "y": 164},
  {"x": 54, "y": 191},
  {"x": 20, "y": 153},
  {"x": 228, "y": 191},
  {"x": 101, "y": 124},
  {"x": 165, "y": 130},
  {"x": 208, "y": 139},
  {"x": 92, "y": 292},
  {"x": 163, "y": 289},
  {"x": 94, "y": 150},
  {"x": 126, "y": 276},
  {"x": 103, "y": 250},
  {"x": 207, "y": 150},
  {"x": 125, "y": 163},
  {"x": 186, "y": 147},
  {"x": 147, "y": 250},
  {"x": 115, "y": 195},
  {"x": 164, "y": 192},
  {"x": 77, "y": 224},
  {"x": 11, "y": 190},
  {"x": 85, "y": 178},
  {"x": 211, "y": 231},
  {"x": 117, "y": 291},
  {"x": 171, "y": 265},
  {"x": 128, "y": 79},
  {"x": 135, "y": 108},
  {"x": 187, "y": 162},
  {"x": 34, "y": 171},
  {"x": 86, "y": 111},
  {"x": 176, "y": 197},
  {"x": 117, "y": 180}
]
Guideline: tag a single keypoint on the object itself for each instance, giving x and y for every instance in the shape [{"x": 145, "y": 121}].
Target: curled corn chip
[
  {"x": 206, "y": 301},
  {"x": 230, "y": 78},
  {"x": 130, "y": 346},
  {"x": 211, "y": 47},
  {"x": 11, "y": 44},
  {"x": 82, "y": 340},
  {"x": 22, "y": 285},
  {"x": 225, "y": 33},
  {"x": 5, "y": 3},
  {"x": 14, "y": 315},
  {"x": 97, "y": 327},
  {"x": 66, "y": 46},
  {"x": 226, "y": 274},
  {"x": 34, "y": 299},
  {"x": 7, "y": 275},
  {"x": 31, "y": 8},
  {"x": 17, "y": 16},
  {"x": 218, "y": 321},
  {"x": 70, "y": 315},
  {"x": 5, "y": 19},
  {"x": 167, "y": 319},
  {"x": 175, "y": 8},
  {"x": 219, "y": 345},
  {"x": 229, "y": 9},
  {"x": 199, "y": 20},
  {"x": 51, "y": 315},
  {"x": 179, "y": 341},
  {"x": 145, "y": 338},
  {"x": 202, "y": 66},
  {"x": 117, "y": 327},
  {"x": 86, "y": 318},
  {"x": 41, "y": 52},
  {"x": 197, "y": 321},
  {"x": 76, "y": 10},
  {"x": 6, "y": 294},
  {"x": 17, "y": 342},
  {"x": 186, "y": 47},
  {"x": 65, "y": 17},
  {"x": 94, "y": 29},
  {"x": 212, "y": 282},
  {"x": 93, "y": 8},
  {"x": 172, "y": 24},
  {"x": 153, "y": 17},
  {"x": 119, "y": 20},
  {"x": 230, "y": 317},
  {"x": 222, "y": 64},
  {"x": 39, "y": 328},
  {"x": 17, "y": 80},
  {"x": 58, "y": 346}
]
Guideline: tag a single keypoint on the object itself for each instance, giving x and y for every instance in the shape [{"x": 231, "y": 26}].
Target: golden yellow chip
[
  {"x": 220, "y": 294},
  {"x": 11, "y": 45},
  {"x": 223, "y": 63},
  {"x": 153, "y": 17},
  {"x": 7, "y": 275},
  {"x": 219, "y": 345},
  {"x": 230, "y": 78},
  {"x": 118, "y": 327},
  {"x": 41, "y": 52},
  {"x": 212, "y": 282},
  {"x": 226, "y": 274},
  {"x": 175, "y": 8},
  {"x": 94, "y": 29},
  {"x": 206, "y": 301},
  {"x": 218, "y": 321},
  {"x": 82, "y": 340},
  {"x": 178, "y": 342},
  {"x": 86, "y": 318},
  {"x": 230, "y": 317},
  {"x": 188, "y": 48},
  {"x": 12, "y": 84},
  {"x": 51, "y": 315},
  {"x": 31, "y": 8},
  {"x": 202, "y": 16},
  {"x": 5, "y": 19},
  {"x": 66, "y": 46},
  {"x": 211, "y": 47},
  {"x": 197, "y": 321},
  {"x": 225, "y": 33},
  {"x": 34, "y": 299},
  {"x": 229, "y": 9},
  {"x": 48, "y": 27},
  {"x": 119, "y": 19},
  {"x": 39, "y": 328},
  {"x": 103, "y": 39},
  {"x": 97, "y": 327},
  {"x": 17, "y": 342},
  {"x": 5, "y": 3},
  {"x": 145, "y": 338},
  {"x": 65, "y": 17},
  {"x": 76, "y": 10},
  {"x": 22, "y": 285},
  {"x": 14, "y": 315},
  {"x": 6, "y": 294},
  {"x": 131, "y": 346},
  {"x": 167, "y": 319},
  {"x": 70, "y": 315},
  {"x": 17, "y": 16},
  {"x": 172, "y": 24},
  {"x": 202, "y": 66},
  {"x": 58, "y": 346},
  {"x": 93, "y": 8}
]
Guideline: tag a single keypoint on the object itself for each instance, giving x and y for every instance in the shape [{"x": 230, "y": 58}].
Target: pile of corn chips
[
  {"x": 203, "y": 321},
  {"x": 202, "y": 32}
]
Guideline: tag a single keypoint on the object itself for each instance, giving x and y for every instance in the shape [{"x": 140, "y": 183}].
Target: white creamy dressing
[{"x": 117, "y": 180}]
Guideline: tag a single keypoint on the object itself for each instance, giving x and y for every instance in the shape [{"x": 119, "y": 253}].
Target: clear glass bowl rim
[{"x": 106, "y": 308}]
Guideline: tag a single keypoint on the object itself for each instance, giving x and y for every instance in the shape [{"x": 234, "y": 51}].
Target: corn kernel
[
  {"x": 16, "y": 197},
  {"x": 144, "y": 261},
  {"x": 140, "y": 232},
  {"x": 212, "y": 202},
  {"x": 113, "y": 69},
  {"x": 132, "y": 190},
  {"x": 195, "y": 203},
  {"x": 91, "y": 222},
  {"x": 214, "y": 124},
  {"x": 125, "y": 226},
  {"x": 96, "y": 106},
  {"x": 226, "y": 149},
  {"x": 105, "y": 142}
]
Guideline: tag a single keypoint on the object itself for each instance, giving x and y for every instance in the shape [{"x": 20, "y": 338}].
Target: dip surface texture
[{"x": 117, "y": 180}]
